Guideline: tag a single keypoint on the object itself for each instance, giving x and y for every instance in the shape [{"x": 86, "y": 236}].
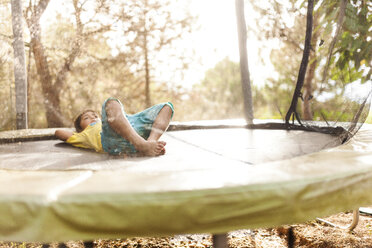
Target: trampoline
[
  {"x": 214, "y": 178},
  {"x": 210, "y": 181}
]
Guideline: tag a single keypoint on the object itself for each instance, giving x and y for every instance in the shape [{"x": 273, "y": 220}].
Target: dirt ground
[{"x": 311, "y": 234}]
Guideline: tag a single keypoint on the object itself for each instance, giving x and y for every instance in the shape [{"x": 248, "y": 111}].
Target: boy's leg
[
  {"x": 161, "y": 123},
  {"x": 120, "y": 124}
]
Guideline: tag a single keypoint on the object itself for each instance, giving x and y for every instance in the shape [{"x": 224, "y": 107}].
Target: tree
[
  {"x": 219, "y": 95},
  {"x": 53, "y": 83},
  {"x": 51, "y": 98},
  {"x": 339, "y": 55},
  {"x": 351, "y": 47},
  {"x": 19, "y": 65},
  {"x": 287, "y": 56},
  {"x": 75, "y": 62},
  {"x": 245, "y": 78},
  {"x": 7, "y": 115},
  {"x": 152, "y": 26}
]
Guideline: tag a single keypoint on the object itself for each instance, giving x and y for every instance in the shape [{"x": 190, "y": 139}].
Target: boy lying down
[{"x": 119, "y": 133}]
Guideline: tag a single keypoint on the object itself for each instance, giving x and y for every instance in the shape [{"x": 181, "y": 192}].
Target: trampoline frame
[
  {"x": 350, "y": 228},
  {"x": 219, "y": 240}
]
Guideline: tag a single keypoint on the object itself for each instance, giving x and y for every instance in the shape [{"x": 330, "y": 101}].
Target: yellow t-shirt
[{"x": 90, "y": 138}]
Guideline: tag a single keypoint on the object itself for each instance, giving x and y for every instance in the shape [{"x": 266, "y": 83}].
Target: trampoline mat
[{"x": 194, "y": 146}]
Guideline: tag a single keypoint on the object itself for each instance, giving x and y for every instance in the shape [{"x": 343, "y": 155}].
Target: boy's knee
[
  {"x": 112, "y": 104},
  {"x": 113, "y": 110},
  {"x": 168, "y": 109}
]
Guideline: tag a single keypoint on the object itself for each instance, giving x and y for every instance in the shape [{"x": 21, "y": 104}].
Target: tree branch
[
  {"x": 40, "y": 8},
  {"x": 61, "y": 75},
  {"x": 99, "y": 30}
]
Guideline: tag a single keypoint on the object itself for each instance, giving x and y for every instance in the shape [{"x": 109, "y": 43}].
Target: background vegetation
[{"x": 101, "y": 48}]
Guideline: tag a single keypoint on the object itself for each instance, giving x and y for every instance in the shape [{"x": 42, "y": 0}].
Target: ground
[{"x": 311, "y": 234}]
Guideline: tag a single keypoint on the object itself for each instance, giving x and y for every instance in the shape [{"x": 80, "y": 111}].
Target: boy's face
[{"x": 88, "y": 118}]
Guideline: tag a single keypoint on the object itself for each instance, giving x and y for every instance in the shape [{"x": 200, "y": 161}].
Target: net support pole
[
  {"x": 244, "y": 70},
  {"x": 220, "y": 240},
  {"x": 20, "y": 75},
  {"x": 305, "y": 60}
]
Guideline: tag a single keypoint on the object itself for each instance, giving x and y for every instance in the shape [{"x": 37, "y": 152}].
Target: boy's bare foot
[
  {"x": 152, "y": 148},
  {"x": 162, "y": 151}
]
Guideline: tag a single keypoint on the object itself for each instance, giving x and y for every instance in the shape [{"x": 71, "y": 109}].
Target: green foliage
[
  {"x": 350, "y": 61},
  {"x": 7, "y": 97},
  {"x": 109, "y": 59},
  {"x": 369, "y": 119},
  {"x": 103, "y": 68},
  {"x": 153, "y": 29},
  {"x": 7, "y": 120},
  {"x": 354, "y": 48},
  {"x": 219, "y": 95},
  {"x": 369, "y": 227},
  {"x": 221, "y": 89}
]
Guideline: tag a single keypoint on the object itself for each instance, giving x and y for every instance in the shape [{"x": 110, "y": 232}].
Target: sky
[{"x": 218, "y": 38}]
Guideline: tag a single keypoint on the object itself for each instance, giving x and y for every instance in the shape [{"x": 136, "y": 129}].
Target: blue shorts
[{"x": 142, "y": 122}]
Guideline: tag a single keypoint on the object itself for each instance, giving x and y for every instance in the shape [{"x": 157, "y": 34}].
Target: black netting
[
  {"x": 333, "y": 89},
  {"x": 101, "y": 53},
  {"x": 342, "y": 100}
]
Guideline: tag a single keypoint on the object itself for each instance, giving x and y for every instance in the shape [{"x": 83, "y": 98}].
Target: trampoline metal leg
[
  {"x": 220, "y": 240},
  {"x": 350, "y": 227},
  {"x": 88, "y": 244}
]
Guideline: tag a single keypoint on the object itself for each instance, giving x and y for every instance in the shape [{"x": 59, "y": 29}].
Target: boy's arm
[{"x": 63, "y": 134}]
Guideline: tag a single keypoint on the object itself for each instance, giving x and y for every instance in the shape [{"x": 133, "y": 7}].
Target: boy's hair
[{"x": 78, "y": 120}]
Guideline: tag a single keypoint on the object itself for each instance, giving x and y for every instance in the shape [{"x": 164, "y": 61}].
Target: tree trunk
[
  {"x": 51, "y": 90},
  {"x": 147, "y": 71},
  {"x": 308, "y": 89},
  {"x": 28, "y": 81},
  {"x": 244, "y": 70},
  {"x": 19, "y": 66},
  {"x": 51, "y": 97}
]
